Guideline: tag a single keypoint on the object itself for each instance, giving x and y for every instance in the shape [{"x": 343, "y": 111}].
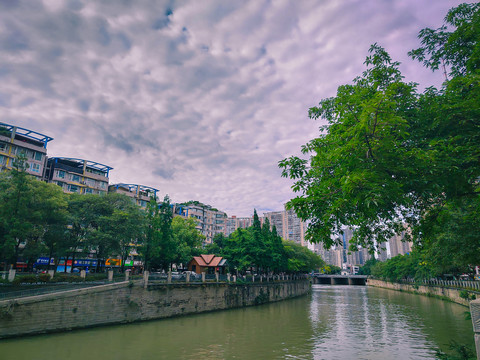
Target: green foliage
[
  {"x": 465, "y": 294},
  {"x": 402, "y": 267},
  {"x": 159, "y": 245},
  {"x": 459, "y": 49},
  {"x": 188, "y": 240},
  {"x": 458, "y": 352},
  {"x": 5, "y": 132},
  {"x": 262, "y": 249},
  {"x": 389, "y": 157},
  {"x": 366, "y": 269},
  {"x": 301, "y": 259},
  {"x": 331, "y": 270},
  {"x": 30, "y": 212},
  {"x": 25, "y": 279}
]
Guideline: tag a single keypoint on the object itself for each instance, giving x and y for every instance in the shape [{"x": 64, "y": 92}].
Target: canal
[{"x": 333, "y": 322}]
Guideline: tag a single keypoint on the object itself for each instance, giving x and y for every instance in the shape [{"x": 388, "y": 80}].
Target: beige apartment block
[
  {"x": 289, "y": 226},
  {"x": 15, "y": 140},
  {"x": 139, "y": 194},
  {"x": 78, "y": 175},
  {"x": 233, "y": 223},
  {"x": 210, "y": 221}
]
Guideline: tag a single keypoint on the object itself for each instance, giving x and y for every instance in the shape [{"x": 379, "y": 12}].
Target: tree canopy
[{"x": 389, "y": 156}]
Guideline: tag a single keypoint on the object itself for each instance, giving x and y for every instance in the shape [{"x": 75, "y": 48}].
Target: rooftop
[
  {"x": 25, "y": 133},
  {"x": 79, "y": 163}
]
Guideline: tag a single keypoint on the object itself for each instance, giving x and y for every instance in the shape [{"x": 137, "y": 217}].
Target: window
[
  {"x": 38, "y": 156},
  {"x": 88, "y": 191},
  {"x": 3, "y": 160},
  {"x": 35, "y": 167},
  {"x": 76, "y": 178},
  {"x": 3, "y": 147},
  {"x": 73, "y": 188},
  {"x": 103, "y": 185},
  {"x": 61, "y": 174}
]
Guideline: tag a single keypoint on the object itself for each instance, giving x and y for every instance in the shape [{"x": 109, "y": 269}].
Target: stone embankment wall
[
  {"x": 128, "y": 302},
  {"x": 451, "y": 294}
]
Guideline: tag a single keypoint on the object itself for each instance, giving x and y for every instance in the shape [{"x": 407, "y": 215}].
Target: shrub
[
  {"x": 25, "y": 279},
  {"x": 44, "y": 278}
]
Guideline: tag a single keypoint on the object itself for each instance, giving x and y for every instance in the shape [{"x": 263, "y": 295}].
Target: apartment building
[
  {"x": 78, "y": 175},
  {"x": 210, "y": 221},
  {"x": 233, "y": 223},
  {"x": 289, "y": 226},
  {"x": 15, "y": 140},
  {"x": 140, "y": 194},
  {"x": 396, "y": 245}
]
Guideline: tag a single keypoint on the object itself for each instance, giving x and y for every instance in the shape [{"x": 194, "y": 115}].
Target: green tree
[
  {"x": 188, "y": 240},
  {"x": 366, "y": 269},
  {"x": 49, "y": 216},
  {"x": 389, "y": 156},
  {"x": 121, "y": 226},
  {"x": 301, "y": 259},
  {"x": 150, "y": 245},
  {"x": 83, "y": 214},
  {"x": 16, "y": 217},
  {"x": 160, "y": 248},
  {"x": 217, "y": 246},
  {"x": 237, "y": 250}
]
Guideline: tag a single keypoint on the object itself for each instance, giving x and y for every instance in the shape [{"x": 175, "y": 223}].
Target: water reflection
[
  {"x": 370, "y": 323},
  {"x": 334, "y": 322}
]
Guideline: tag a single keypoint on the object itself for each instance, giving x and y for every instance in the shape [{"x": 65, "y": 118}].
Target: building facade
[
  {"x": 78, "y": 176},
  {"x": 139, "y": 194},
  {"x": 288, "y": 225},
  {"x": 210, "y": 221},
  {"x": 15, "y": 140},
  {"x": 233, "y": 223}
]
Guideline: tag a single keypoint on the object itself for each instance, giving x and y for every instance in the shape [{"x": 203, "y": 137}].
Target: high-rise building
[
  {"x": 78, "y": 176},
  {"x": 210, "y": 221},
  {"x": 15, "y": 140},
  {"x": 288, "y": 225},
  {"x": 398, "y": 245},
  {"x": 352, "y": 258},
  {"x": 233, "y": 223},
  {"x": 140, "y": 194}
]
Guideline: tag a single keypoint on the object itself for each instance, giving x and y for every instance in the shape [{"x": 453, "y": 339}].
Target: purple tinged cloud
[{"x": 199, "y": 99}]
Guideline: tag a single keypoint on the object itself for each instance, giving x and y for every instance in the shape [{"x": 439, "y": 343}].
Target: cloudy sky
[{"x": 199, "y": 99}]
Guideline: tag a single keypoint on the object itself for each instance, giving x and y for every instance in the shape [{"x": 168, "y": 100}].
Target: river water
[{"x": 333, "y": 322}]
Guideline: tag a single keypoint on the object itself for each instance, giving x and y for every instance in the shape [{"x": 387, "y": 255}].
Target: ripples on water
[{"x": 334, "y": 322}]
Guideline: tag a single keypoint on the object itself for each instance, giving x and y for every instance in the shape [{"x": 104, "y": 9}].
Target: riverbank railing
[
  {"x": 463, "y": 284},
  {"x": 190, "y": 277}
]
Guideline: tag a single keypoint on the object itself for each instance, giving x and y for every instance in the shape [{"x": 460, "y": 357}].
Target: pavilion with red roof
[{"x": 209, "y": 264}]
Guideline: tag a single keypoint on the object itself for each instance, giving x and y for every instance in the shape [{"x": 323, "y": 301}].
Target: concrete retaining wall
[
  {"x": 128, "y": 302},
  {"x": 451, "y": 294}
]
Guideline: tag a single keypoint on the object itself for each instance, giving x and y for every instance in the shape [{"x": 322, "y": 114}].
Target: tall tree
[
  {"x": 160, "y": 250},
  {"x": 15, "y": 209},
  {"x": 151, "y": 235},
  {"x": 187, "y": 239},
  {"x": 390, "y": 156}
]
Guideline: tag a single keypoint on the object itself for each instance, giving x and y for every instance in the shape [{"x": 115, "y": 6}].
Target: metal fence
[
  {"x": 464, "y": 284},
  {"x": 156, "y": 277}
]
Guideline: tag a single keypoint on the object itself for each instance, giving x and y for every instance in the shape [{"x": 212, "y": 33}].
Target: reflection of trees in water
[{"x": 361, "y": 322}]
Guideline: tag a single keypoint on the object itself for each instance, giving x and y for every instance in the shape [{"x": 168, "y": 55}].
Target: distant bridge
[{"x": 339, "y": 279}]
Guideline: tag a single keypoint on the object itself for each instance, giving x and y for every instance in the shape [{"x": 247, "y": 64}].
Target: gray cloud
[{"x": 199, "y": 99}]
